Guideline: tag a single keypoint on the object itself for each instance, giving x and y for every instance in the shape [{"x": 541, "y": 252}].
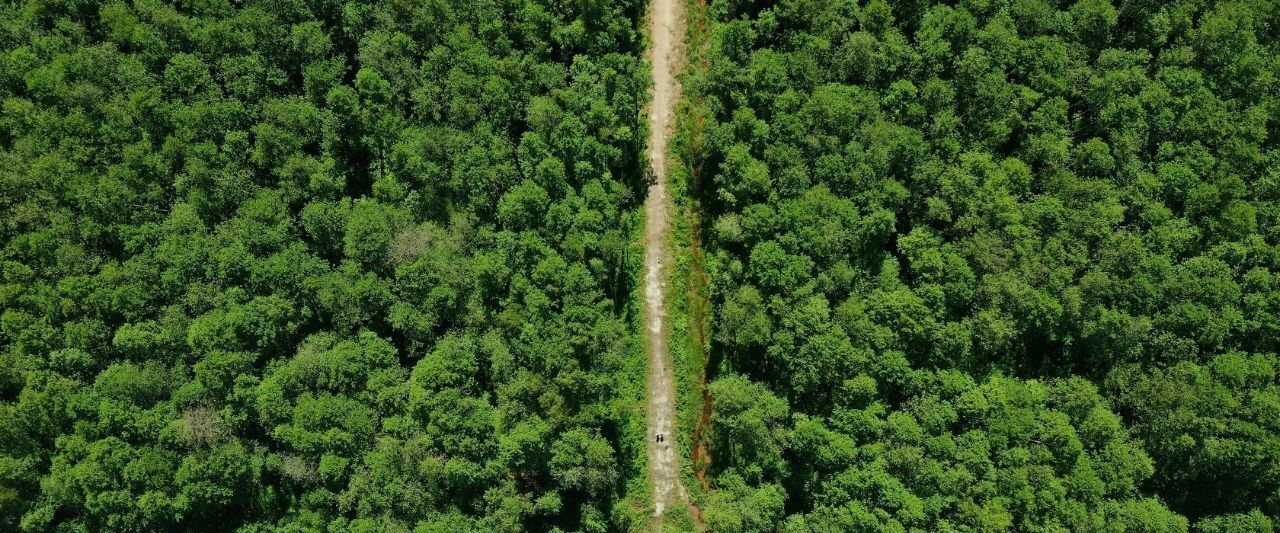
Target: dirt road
[{"x": 666, "y": 38}]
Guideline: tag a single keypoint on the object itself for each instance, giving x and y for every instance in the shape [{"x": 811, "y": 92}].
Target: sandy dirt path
[{"x": 666, "y": 39}]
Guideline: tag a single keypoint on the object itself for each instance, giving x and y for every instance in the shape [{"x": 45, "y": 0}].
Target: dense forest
[
  {"x": 325, "y": 265},
  {"x": 330, "y": 265},
  {"x": 991, "y": 265}
]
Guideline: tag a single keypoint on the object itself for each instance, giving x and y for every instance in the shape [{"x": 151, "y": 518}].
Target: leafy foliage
[
  {"x": 991, "y": 265},
  {"x": 315, "y": 265}
]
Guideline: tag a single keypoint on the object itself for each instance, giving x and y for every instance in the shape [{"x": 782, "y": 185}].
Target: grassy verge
[
  {"x": 686, "y": 344},
  {"x": 635, "y": 507},
  {"x": 688, "y": 306}
]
